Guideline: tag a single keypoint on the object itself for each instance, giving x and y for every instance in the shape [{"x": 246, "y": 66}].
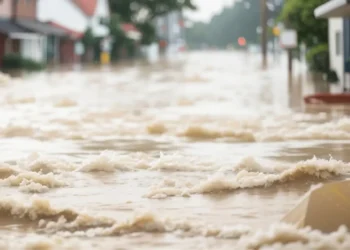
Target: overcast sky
[{"x": 207, "y": 8}]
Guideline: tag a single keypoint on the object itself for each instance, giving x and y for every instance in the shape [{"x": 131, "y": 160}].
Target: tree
[
  {"x": 299, "y": 15},
  {"x": 142, "y": 13},
  {"x": 240, "y": 20},
  {"x": 88, "y": 40}
]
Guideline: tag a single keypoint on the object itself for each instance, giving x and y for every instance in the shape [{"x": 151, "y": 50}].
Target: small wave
[
  {"x": 20, "y": 100},
  {"x": 43, "y": 212},
  {"x": 275, "y": 237},
  {"x": 7, "y": 170},
  {"x": 110, "y": 162},
  {"x": 37, "y": 167},
  {"x": 199, "y": 132},
  {"x": 287, "y": 237},
  {"x": 245, "y": 178},
  {"x": 29, "y": 186},
  {"x": 17, "y": 130},
  {"x": 48, "y": 180},
  {"x": 38, "y": 163},
  {"x": 36, "y": 242},
  {"x": 68, "y": 222},
  {"x": 156, "y": 128},
  {"x": 65, "y": 102}
]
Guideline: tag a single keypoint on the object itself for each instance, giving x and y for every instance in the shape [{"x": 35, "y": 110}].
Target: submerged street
[{"x": 205, "y": 152}]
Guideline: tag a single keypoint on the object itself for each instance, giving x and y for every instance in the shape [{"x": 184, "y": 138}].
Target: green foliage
[
  {"x": 318, "y": 58},
  {"x": 148, "y": 31},
  {"x": 332, "y": 77},
  {"x": 142, "y": 13},
  {"x": 88, "y": 39},
  {"x": 241, "y": 19},
  {"x": 17, "y": 62},
  {"x": 299, "y": 15}
]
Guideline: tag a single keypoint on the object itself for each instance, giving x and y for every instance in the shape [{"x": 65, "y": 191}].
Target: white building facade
[
  {"x": 336, "y": 47},
  {"x": 68, "y": 14}
]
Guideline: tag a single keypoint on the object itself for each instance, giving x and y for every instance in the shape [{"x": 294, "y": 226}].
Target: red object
[
  {"x": 182, "y": 23},
  {"x": 343, "y": 98},
  {"x": 163, "y": 43},
  {"x": 242, "y": 41},
  {"x": 72, "y": 33},
  {"x": 87, "y": 6},
  {"x": 127, "y": 27}
]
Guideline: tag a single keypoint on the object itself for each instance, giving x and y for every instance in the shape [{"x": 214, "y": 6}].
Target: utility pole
[{"x": 263, "y": 11}]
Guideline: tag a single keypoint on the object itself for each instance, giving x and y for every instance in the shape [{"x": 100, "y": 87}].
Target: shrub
[
  {"x": 318, "y": 58},
  {"x": 17, "y": 62}
]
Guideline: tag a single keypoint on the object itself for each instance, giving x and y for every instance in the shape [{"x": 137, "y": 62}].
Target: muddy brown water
[{"x": 208, "y": 152}]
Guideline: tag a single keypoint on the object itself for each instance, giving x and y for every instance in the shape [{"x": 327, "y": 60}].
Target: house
[
  {"x": 13, "y": 37},
  {"x": 68, "y": 44},
  {"x": 338, "y": 13},
  {"x": 76, "y": 16}
]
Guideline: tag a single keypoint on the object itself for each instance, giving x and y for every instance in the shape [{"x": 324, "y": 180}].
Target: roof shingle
[{"x": 87, "y": 6}]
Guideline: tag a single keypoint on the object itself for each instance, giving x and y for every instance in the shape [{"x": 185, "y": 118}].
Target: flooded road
[{"x": 205, "y": 153}]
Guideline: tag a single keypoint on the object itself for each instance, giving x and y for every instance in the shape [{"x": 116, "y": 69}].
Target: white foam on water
[
  {"x": 39, "y": 242},
  {"x": 36, "y": 162},
  {"x": 110, "y": 161},
  {"x": 253, "y": 176},
  {"x": 7, "y": 170},
  {"x": 69, "y": 223},
  {"x": 29, "y": 186},
  {"x": 282, "y": 236},
  {"x": 49, "y": 180}
]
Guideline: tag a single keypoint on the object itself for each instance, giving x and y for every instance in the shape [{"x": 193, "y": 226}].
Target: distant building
[
  {"x": 14, "y": 38},
  {"x": 170, "y": 32},
  {"x": 338, "y": 12},
  {"x": 75, "y": 17}
]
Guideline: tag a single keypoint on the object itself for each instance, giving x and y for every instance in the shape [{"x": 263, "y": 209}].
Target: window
[{"x": 338, "y": 43}]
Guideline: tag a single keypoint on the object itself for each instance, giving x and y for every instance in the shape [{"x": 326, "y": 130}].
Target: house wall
[
  {"x": 5, "y": 8},
  {"x": 73, "y": 18},
  {"x": 33, "y": 48},
  {"x": 336, "y": 59},
  {"x": 102, "y": 11},
  {"x": 27, "y": 9},
  {"x": 62, "y": 12},
  {"x": 67, "y": 51}
]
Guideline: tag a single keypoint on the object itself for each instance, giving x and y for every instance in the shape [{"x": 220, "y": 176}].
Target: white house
[
  {"x": 338, "y": 14},
  {"x": 336, "y": 46},
  {"x": 76, "y": 15}
]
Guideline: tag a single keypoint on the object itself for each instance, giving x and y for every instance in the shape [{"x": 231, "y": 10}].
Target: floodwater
[{"x": 207, "y": 152}]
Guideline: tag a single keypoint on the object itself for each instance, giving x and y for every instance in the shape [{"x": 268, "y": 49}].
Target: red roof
[
  {"x": 72, "y": 33},
  {"x": 87, "y": 6}
]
